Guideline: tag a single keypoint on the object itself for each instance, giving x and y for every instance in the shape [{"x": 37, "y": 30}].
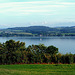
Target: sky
[{"x": 24, "y": 13}]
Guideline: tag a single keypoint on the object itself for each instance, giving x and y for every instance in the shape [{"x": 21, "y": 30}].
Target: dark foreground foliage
[{"x": 12, "y": 52}]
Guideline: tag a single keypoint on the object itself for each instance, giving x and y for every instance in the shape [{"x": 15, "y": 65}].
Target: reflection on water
[{"x": 65, "y": 44}]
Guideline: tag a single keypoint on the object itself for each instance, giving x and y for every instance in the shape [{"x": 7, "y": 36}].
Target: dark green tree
[
  {"x": 14, "y": 51},
  {"x": 52, "y": 50}
]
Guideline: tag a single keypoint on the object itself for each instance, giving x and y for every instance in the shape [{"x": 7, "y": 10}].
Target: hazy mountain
[{"x": 38, "y": 30}]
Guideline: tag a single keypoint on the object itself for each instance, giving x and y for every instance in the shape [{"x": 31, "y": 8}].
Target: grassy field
[{"x": 38, "y": 69}]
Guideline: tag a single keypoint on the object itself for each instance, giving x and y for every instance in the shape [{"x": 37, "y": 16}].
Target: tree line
[{"x": 12, "y": 52}]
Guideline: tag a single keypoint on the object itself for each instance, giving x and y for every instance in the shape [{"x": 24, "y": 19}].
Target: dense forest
[
  {"x": 38, "y": 30},
  {"x": 15, "y": 52}
]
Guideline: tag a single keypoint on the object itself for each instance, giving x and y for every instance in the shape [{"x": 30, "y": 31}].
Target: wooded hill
[{"x": 38, "y": 30}]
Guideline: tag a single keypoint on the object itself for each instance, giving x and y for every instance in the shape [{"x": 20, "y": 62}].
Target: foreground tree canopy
[{"x": 12, "y": 52}]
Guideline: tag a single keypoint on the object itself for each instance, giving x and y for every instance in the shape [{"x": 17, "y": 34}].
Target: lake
[{"x": 66, "y": 44}]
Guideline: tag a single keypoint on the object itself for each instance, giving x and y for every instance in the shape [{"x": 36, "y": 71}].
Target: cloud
[
  {"x": 50, "y": 10},
  {"x": 68, "y": 3},
  {"x": 37, "y": 10},
  {"x": 34, "y": 5},
  {"x": 25, "y": 7},
  {"x": 26, "y": 3}
]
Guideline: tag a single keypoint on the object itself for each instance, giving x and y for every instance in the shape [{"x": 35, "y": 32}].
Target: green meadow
[{"x": 38, "y": 69}]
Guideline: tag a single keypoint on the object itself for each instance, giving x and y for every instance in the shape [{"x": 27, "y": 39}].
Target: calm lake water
[{"x": 65, "y": 44}]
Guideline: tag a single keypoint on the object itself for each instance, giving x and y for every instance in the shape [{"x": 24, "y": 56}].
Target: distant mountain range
[{"x": 38, "y": 30}]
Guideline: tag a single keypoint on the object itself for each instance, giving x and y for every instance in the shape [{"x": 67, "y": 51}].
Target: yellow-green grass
[
  {"x": 38, "y": 69},
  {"x": 24, "y": 33}
]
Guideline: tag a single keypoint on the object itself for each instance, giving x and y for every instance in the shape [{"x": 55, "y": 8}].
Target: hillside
[{"x": 38, "y": 30}]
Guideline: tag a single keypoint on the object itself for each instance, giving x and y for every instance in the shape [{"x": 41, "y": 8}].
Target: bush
[{"x": 12, "y": 52}]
